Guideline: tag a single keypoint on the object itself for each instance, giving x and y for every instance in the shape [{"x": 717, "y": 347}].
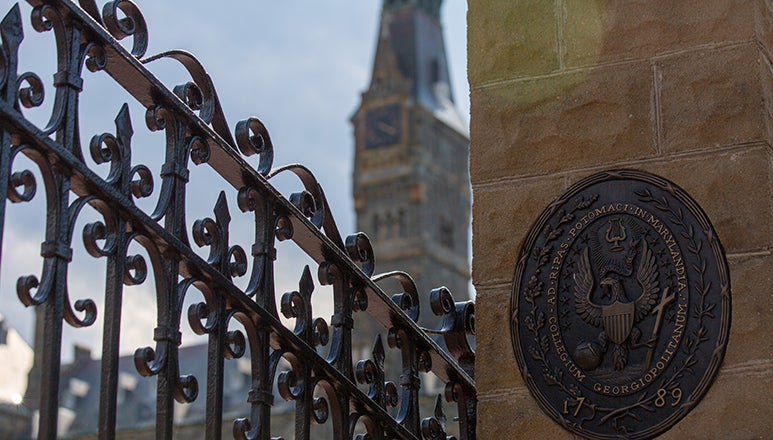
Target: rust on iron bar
[{"x": 620, "y": 309}]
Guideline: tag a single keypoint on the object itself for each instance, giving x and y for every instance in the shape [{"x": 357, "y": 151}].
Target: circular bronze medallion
[{"x": 620, "y": 310}]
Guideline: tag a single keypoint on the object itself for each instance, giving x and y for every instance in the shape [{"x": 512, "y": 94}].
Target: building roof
[
  {"x": 79, "y": 393},
  {"x": 17, "y": 360}
]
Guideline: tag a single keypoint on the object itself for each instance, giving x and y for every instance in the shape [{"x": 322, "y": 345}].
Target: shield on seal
[{"x": 618, "y": 320}]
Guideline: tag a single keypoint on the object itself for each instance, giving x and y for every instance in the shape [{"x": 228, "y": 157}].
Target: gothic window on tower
[
  {"x": 446, "y": 233},
  {"x": 390, "y": 226},
  {"x": 377, "y": 227}
]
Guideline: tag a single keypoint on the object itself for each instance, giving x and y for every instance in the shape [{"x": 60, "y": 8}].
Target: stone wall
[{"x": 566, "y": 88}]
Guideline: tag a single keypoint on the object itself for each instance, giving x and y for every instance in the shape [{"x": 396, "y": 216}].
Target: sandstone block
[
  {"x": 733, "y": 189},
  {"x": 766, "y": 79},
  {"x": 764, "y": 23},
  {"x": 511, "y": 38},
  {"x": 711, "y": 98},
  {"x": 495, "y": 366},
  {"x": 562, "y": 122},
  {"x": 751, "y": 279},
  {"x": 516, "y": 416},
  {"x": 605, "y": 31},
  {"x": 502, "y": 216},
  {"x": 729, "y": 187},
  {"x": 737, "y": 407}
]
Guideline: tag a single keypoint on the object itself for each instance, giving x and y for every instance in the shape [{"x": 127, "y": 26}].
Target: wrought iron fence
[{"x": 196, "y": 132}]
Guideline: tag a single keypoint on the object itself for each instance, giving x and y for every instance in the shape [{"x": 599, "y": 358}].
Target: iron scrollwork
[{"x": 324, "y": 389}]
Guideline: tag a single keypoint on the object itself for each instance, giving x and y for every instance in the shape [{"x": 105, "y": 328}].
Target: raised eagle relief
[{"x": 620, "y": 311}]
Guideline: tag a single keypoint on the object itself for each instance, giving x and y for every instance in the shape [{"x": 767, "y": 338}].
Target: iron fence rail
[{"x": 196, "y": 131}]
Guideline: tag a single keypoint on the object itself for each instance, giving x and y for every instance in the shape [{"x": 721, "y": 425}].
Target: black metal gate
[{"x": 196, "y": 131}]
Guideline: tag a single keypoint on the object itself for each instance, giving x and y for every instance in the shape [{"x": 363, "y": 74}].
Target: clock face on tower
[{"x": 383, "y": 126}]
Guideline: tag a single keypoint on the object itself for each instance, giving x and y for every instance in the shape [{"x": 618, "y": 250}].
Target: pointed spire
[
  {"x": 410, "y": 62},
  {"x": 410, "y": 55}
]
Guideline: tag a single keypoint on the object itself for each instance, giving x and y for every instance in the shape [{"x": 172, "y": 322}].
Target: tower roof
[{"x": 411, "y": 58}]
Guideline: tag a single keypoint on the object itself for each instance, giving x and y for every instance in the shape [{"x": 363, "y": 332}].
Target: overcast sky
[{"x": 298, "y": 66}]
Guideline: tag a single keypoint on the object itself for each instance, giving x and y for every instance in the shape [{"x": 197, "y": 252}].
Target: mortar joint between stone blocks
[
  {"x": 504, "y": 82},
  {"x": 657, "y": 82},
  {"x": 499, "y": 182}
]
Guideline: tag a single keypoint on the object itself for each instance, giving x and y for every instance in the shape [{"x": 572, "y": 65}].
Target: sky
[{"x": 298, "y": 66}]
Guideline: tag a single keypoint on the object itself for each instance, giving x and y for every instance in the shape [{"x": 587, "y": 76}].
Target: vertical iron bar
[
  {"x": 341, "y": 344},
  {"x": 12, "y": 36},
  {"x": 261, "y": 283},
  {"x": 261, "y": 394},
  {"x": 265, "y": 254},
  {"x": 303, "y": 406},
  {"x": 409, "y": 380},
  {"x": 5, "y": 176},
  {"x": 174, "y": 169},
  {"x": 51, "y": 361},
  {"x": 342, "y": 322},
  {"x": 57, "y": 235},
  {"x": 217, "y": 336},
  {"x": 116, "y": 265},
  {"x": 215, "y": 372},
  {"x": 468, "y": 421},
  {"x": 167, "y": 337},
  {"x": 117, "y": 268}
]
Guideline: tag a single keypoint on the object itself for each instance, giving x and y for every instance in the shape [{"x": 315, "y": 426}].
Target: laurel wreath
[{"x": 535, "y": 319}]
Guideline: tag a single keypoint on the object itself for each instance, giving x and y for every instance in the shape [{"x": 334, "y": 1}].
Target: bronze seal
[{"x": 620, "y": 312}]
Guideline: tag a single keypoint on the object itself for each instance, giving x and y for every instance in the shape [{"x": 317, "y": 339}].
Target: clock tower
[{"x": 411, "y": 179}]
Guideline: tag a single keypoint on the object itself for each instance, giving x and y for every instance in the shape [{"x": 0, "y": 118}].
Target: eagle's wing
[
  {"x": 647, "y": 276},
  {"x": 583, "y": 286}
]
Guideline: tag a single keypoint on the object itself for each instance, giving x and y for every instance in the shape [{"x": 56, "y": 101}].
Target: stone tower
[{"x": 411, "y": 178}]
